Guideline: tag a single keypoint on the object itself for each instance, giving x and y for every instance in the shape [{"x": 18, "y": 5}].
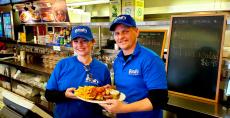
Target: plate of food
[
  {"x": 24, "y": 16},
  {"x": 95, "y": 94},
  {"x": 35, "y": 15}
]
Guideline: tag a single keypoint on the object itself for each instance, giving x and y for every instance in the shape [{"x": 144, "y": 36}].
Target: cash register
[{"x": 17, "y": 106}]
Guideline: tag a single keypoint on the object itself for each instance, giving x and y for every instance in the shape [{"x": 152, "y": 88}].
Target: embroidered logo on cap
[
  {"x": 81, "y": 30},
  {"x": 120, "y": 18}
]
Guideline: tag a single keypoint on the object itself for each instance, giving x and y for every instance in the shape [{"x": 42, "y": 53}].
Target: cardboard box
[
  {"x": 135, "y": 8},
  {"x": 114, "y": 9}
]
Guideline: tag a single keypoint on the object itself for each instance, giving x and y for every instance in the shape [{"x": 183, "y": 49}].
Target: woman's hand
[
  {"x": 69, "y": 93},
  {"x": 107, "y": 86},
  {"x": 114, "y": 106}
]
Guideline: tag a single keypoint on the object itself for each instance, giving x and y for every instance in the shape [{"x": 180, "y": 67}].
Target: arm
[
  {"x": 60, "y": 96},
  {"x": 156, "y": 98},
  {"x": 55, "y": 96},
  {"x": 115, "y": 106}
]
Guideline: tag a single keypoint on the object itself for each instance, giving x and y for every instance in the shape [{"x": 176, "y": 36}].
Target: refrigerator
[
  {"x": 8, "y": 25},
  {"x": 1, "y": 26}
]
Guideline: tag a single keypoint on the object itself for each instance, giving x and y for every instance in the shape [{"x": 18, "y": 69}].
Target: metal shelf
[
  {"x": 153, "y": 23},
  {"x": 29, "y": 67}
]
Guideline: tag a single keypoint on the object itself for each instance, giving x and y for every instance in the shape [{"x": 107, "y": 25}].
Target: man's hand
[{"x": 114, "y": 106}]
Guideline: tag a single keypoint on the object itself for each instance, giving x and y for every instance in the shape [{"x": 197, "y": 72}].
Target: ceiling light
[
  {"x": 25, "y": 8},
  {"x": 33, "y": 7},
  {"x": 88, "y": 2}
]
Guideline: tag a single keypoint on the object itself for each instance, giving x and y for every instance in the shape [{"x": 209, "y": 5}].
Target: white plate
[{"x": 121, "y": 98}]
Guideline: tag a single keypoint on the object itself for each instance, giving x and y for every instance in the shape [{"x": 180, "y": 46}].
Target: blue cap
[
  {"x": 81, "y": 32},
  {"x": 123, "y": 19}
]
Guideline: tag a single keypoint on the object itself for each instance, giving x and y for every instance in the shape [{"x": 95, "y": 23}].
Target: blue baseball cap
[
  {"x": 81, "y": 32},
  {"x": 123, "y": 19}
]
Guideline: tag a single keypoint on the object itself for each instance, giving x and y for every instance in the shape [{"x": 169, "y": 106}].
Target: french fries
[{"x": 96, "y": 93}]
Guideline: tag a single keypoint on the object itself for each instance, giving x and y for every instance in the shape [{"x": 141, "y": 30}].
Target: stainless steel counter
[{"x": 185, "y": 107}]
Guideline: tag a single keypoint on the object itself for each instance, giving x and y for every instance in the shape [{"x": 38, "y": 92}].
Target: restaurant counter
[{"x": 186, "y": 108}]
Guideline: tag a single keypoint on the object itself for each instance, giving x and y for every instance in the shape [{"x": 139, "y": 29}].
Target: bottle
[
  {"x": 62, "y": 40},
  {"x": 35, "y": 40}
]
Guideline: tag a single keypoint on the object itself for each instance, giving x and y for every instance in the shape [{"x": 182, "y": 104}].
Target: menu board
[
  {"x": 194, "y": 57},
  {"x": 153, "y": 39},
  {"x": 7, "y": 25},
  {"x": 4, "y": 2},
  {"x": 52, "y": 11}
]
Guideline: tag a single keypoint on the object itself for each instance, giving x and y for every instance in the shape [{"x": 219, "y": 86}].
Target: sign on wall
[{"x": 45, "y": 11}]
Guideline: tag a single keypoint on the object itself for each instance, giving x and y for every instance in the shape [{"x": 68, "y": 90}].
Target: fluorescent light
[{"x": 88, "y": 2}]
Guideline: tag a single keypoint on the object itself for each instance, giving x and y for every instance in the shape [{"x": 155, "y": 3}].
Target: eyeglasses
[{"x": 89, "y": 75}]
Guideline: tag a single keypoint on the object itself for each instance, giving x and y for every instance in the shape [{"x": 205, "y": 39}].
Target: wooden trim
[
  {"x": 221, "y": 14},
  {"x": 192, "y": 97},
  {"x": 197, "y": 98},
  {"x": 220, "y": 59}
]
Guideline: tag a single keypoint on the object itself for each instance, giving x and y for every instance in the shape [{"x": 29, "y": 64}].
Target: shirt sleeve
[
  {"x": 52, "y": 82},
  {"x": 154, "y": 73},
  {"x": 56, "y": 96},
  {"x": 158, "y": 97}
]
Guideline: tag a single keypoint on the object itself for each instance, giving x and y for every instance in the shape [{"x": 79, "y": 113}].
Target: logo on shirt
[
  {"x": 133, "y": 72},
  {"x": 91, "y": 80}
]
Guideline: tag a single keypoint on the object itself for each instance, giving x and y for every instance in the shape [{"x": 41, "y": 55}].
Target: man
[{"x": 138, "y": 72}]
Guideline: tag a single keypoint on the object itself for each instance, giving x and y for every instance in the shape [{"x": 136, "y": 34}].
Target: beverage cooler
[
  {"x": 1, "y": 26},
  {"x": 7, "y": 22}
]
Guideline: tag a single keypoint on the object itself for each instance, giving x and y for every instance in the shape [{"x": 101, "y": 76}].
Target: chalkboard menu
[
  {"x": 194, "y": 60},
  {"x": 153, "y": 39}
]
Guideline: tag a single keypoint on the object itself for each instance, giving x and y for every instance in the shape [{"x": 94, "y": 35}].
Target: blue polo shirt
[
  {"x": 70, "y": 72},
  {"x": 142, "y": 71}
]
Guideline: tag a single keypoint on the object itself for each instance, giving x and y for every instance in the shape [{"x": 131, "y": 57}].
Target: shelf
[
  {"x": 4, "y": 78},
  {"x": 32, "y": 44},
  {"x": 29, "y": 84},
  {"x": 6, "y": 55},
  {"x": 110, "y": 51},
  {"x": 143, "y": 23},
  {"x": 10, "y": 41},
  {"x": 48, "y": 110},
  {"x": 47, "y": 23},
  {"x": 32, "y": 67}
]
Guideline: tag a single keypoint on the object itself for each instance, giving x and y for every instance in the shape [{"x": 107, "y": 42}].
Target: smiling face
[
  {"x": 126, "y": 38},
  {"x": 82, "y": 47}
]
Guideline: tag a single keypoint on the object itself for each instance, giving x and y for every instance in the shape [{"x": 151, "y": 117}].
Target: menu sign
[{"x": 52, "y": 11}]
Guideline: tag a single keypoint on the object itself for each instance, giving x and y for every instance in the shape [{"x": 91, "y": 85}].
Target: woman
[{"x": 75, "y": 71}]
